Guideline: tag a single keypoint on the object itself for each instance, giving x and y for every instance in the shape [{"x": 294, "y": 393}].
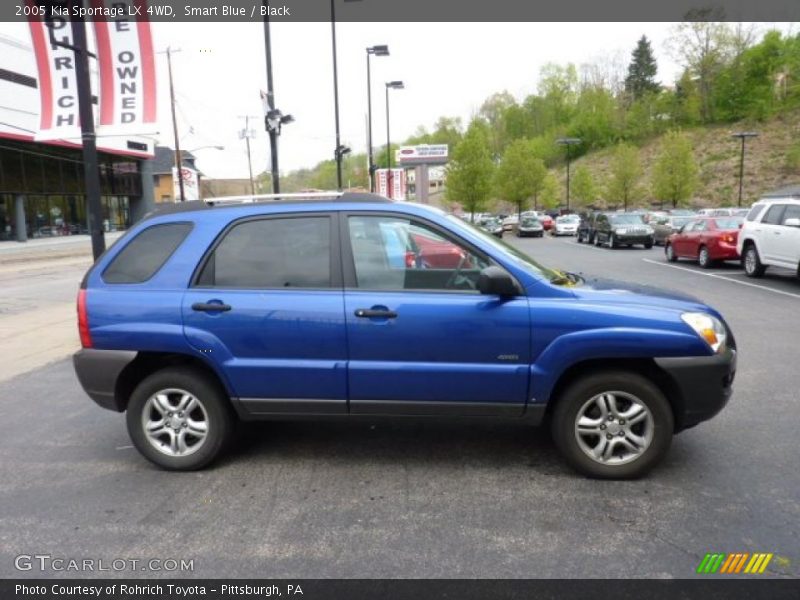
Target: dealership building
[{"x": 42, "y": 190}]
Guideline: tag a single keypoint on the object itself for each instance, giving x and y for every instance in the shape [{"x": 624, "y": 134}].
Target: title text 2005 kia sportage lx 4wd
[{"x": 202, "y": 315}]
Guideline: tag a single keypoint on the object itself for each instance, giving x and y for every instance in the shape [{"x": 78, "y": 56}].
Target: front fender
[{"x": 606, "y": 343}]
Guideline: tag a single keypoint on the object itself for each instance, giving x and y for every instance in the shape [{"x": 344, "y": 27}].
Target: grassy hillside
[{"x": 772, "y": 160}]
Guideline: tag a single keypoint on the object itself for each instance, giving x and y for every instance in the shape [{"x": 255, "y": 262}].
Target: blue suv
[{"x": 357, "y": 307}]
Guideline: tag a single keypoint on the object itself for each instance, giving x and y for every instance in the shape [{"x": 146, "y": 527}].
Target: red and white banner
[
  {"x": 191, "y": 184},
  {"x": 391, "y": 183},
  {"x": 126, "y": 65},
  {"x": 58, "y": 89}
]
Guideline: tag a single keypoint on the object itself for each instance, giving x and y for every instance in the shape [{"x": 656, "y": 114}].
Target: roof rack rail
[{"x": 221, "y": 201}]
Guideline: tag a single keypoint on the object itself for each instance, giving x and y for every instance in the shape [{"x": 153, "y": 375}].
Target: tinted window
[
  {"x": 629, "y": 219},
  {"x": 272, "y": 253},
  {"x": 792, "y": 212},
  {"x": 393, "y": 253},
  {"x": 773, "y": 216},
  {"x": 145, "y": 254},
  {"x": 754, "y": 212}
]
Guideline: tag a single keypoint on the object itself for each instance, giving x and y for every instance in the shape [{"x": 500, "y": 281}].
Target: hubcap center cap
[
  {"x": 175, "y": 422},
  {"x": 614, "y": 428}
]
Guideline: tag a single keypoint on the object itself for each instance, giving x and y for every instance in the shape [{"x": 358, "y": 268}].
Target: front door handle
[
  {"x": 211, "y": 307},
  {"x": 372, "y": 313}
]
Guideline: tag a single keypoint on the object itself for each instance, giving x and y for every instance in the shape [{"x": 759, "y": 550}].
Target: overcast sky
[{"x": 448, "y": 70}]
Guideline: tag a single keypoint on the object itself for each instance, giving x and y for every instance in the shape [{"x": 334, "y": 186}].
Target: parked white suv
[{"x": 770, "y": 236}]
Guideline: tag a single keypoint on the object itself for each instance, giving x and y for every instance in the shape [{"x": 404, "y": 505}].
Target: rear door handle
[
  {"x": 371, "y": 313},
  {"x": 211, "y": 307}
]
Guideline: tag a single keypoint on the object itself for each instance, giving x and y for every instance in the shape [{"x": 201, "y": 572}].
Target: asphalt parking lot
[{"x": 407, "y": 499}]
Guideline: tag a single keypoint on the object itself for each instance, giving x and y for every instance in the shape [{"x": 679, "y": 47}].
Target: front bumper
[
  {"x": 704, "y": 384},
  {"x": 98, "y": 372},
  {"x": 634, "y": 239}
]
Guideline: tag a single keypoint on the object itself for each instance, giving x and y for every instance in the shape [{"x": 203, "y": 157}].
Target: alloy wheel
[
  {"x": 175, "y": 422},
  {"x": 614, "y": 428}
]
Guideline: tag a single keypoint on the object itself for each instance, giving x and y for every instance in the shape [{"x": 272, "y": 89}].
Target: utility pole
[
  {"x": 338, "y": 151},
  {"x": 178, "y": 159},
  {"x": 743, "y": 135},
  {"x": 247, "y": 133},
  {"x": 272, "y": 129},
  {"x": 88, "y": 135}
]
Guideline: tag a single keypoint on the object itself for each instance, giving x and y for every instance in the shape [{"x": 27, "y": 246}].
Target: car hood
[{"x": 598, "y": 289}]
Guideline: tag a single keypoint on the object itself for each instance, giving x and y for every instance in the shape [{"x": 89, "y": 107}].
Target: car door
[
  {"x": 266, "y": 308},
  {"x": 787, "y": 244},
  {"x": 696, "y": 238},
  {"x": 770, "y": 231},
  {"x": 681, "y": 241},
  {"x": 421, "y": 338}
]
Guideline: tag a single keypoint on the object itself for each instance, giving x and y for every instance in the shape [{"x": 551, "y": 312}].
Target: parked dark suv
[
  {"x": 201, "y": 316},
  {"x": 622, "y": 229}
]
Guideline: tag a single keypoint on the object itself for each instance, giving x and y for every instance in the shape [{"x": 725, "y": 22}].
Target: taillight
[
  {"x": 731, "y": 239},
  {"x": 83, "y": 320}
]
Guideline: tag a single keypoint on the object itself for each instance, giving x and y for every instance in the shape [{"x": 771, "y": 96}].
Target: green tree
[
  {"x": 470, "y": 171},
  {"x": 675, "y": 171},
  {"x": 642, "y": 71},
  {"x": 493, "y": 111},
  {"x": 582, "y": 186},
  {"x": 626, "y": 171},
  {"x": 520, "y": 174},
  {"x": 551, "y": 192}
]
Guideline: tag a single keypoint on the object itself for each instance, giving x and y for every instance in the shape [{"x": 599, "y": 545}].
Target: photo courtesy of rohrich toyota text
[{"x": 399, "y": 300}]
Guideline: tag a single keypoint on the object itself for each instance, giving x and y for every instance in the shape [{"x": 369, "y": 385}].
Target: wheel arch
[
  {"x": 645, "y": 367},
  {"x": 147, "y": 363}
]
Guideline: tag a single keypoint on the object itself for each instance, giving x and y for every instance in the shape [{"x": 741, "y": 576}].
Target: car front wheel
[
  {"x": 670, "y": 253},
  {"x": 179, "y": 419},
  {"x": 613, "y": 425}
]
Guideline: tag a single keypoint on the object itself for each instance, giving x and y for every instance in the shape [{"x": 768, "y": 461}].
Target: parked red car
[
  {"x": 547, "y": 222},
  {"x": 705, "y": 240},
  {"x": 435, "y": 253}
]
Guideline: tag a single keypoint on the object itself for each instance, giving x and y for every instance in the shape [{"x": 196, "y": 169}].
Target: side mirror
[
  {"x": 494, "y": 281},
  {"x": 793, "y": 222}
]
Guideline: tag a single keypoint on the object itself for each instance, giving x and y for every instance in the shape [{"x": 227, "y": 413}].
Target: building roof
[
  {"x": 791, "y": 191},
  {"x": 164, "y": 160}
]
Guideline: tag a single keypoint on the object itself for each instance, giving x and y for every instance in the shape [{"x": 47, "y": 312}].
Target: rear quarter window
[
  {"x": 754, "y": 212},
  {"x": 145, "y": 254}
]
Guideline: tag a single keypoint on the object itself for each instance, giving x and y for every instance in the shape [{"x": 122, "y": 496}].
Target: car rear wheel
[
  {"x": 670, "y": 253},
  {"x": 613, "y": 425},
  {"x": 752, "y": 262},
  {"x": 648, "y": 245},
  {"x": 704, "y": 258},
  {"x": 179, "y": 419}
]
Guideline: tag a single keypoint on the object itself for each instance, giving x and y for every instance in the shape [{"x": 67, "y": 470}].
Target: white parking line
[{"x": 723, "y": 277}]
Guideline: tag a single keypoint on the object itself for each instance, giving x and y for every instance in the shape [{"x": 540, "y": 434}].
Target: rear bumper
[
  {"x": 723, "y": 252},
  {"x": 705, "y": 384},
  {"x": 98, "y": 371}
]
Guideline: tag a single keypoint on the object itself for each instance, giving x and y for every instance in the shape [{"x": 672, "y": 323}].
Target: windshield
[
  {"x": 680, "y": 221},
  {"x": 529, "y": 221},
  {"x": 569, "y": 219},
  {"x": 729, "y": 223},
  {"x": 519, "y": 258},
  {"x": 626, "y": 219}
]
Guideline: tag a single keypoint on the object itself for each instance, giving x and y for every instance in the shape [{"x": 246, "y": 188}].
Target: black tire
[
  {"x": 220, "y": 419},
  {"x": 578, "y": 238},
  {"x": 704, "y": 258},
  {"x": 571, "y": 401},
  {"x": 648, "y": 245},
  {"x": 751, "y": 262},
  {"x": 612, "y": 241},
  {"x": 669, "y": 252}
]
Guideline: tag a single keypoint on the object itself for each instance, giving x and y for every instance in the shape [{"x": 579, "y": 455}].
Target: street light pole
[
  {"x": 337, "y": 152},
  {"x": 178, "y": 158},
  {"x": 377, "y": 51},
  {"x": 743, "y": 135},
  {"x": 568, "y": 142},
  {"x": 88, "y": 137},
  {"x": 270, "y": 98}
]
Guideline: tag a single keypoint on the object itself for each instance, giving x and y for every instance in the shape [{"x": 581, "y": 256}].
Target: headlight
[
  {"x": 621, "y": 231},
  {"x": 707, "y": 327}
]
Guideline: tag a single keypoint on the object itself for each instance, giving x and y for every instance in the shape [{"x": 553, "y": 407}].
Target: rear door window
[
  {"x": 773, "y": 216},
  {"x": 792, "y": 212},
  {"x": 292, "y": 252},
  {"x": 145, "y": 254}
]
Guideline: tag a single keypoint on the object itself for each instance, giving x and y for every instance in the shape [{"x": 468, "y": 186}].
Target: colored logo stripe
[{"x": 718, "y": 562}]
